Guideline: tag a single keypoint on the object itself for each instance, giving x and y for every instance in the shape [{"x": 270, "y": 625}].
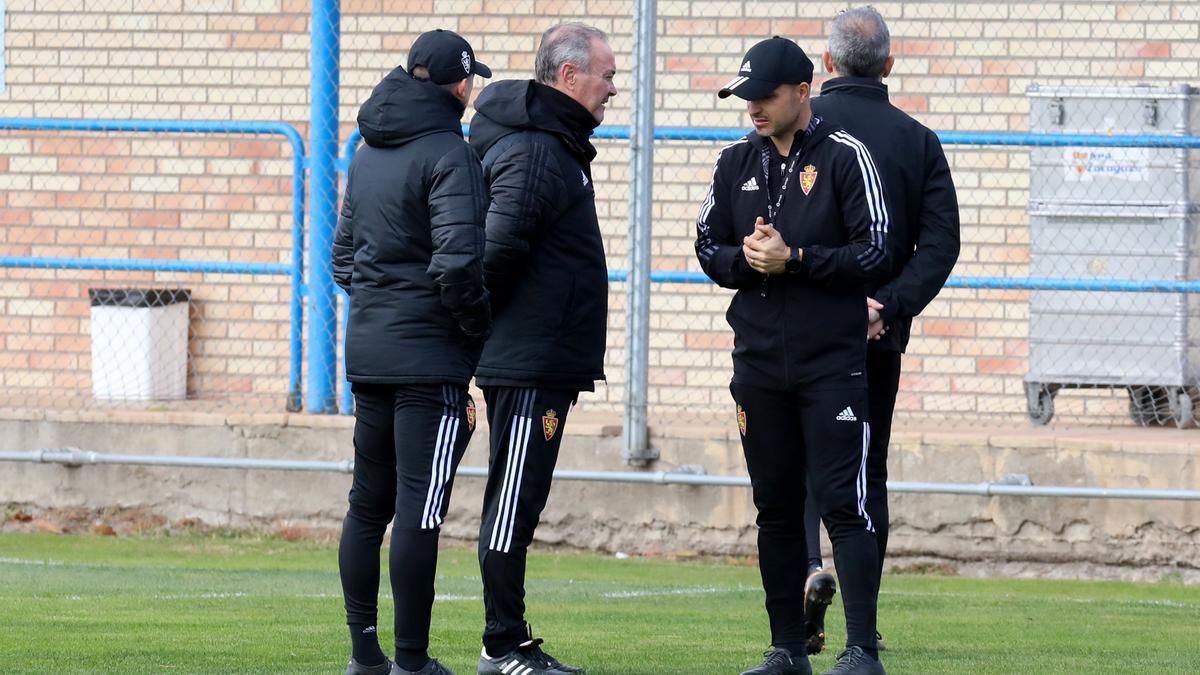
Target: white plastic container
[{"x": 139, "y": 344}]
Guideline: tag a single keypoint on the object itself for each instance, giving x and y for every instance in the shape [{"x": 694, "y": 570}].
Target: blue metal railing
[
  {"x": 206, "y": 266},
  {"x": 947, "y": 138},
  {"x": 295, "y": 269},
  {"x": 996, "y": 283}
]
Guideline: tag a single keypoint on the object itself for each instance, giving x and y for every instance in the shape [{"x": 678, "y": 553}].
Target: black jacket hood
[
  {"x": 401, "y": 109},
  {"x": 509, "y": 106}
]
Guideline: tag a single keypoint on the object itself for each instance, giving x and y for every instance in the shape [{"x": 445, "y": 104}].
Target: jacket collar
[
  {"x": 510, "y": 105},
  {"x": 855, "y": 86},
  {"x": 575, "y": 121}
]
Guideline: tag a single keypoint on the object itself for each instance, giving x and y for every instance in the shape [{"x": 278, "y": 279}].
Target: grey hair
[
  {"x": 859, "y": 43},
  {"x": 565, "y": 43}
]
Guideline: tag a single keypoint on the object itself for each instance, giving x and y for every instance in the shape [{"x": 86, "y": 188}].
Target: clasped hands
[
  {"x": 767, "y": 253},
  {"x": 765, "y": 250}
]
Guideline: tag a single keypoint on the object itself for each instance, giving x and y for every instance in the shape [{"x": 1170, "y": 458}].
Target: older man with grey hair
[
  {"x": 923, "y": 243},
  {"x": 544, "y": 265}
]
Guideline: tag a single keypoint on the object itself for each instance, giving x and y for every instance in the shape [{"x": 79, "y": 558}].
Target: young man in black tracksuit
[
  {"x": 795, "y": 220},
  {"x": 409, "y": 249},
  {"x": 923, "y": 242},
  {"x": 545, "y": 267}
]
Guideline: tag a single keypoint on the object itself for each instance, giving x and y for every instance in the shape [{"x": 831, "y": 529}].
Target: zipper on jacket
[{"x": 787, "y": 361}]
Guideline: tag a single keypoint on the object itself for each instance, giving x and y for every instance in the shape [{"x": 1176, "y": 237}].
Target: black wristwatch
[{"x": 793, "y": 262}]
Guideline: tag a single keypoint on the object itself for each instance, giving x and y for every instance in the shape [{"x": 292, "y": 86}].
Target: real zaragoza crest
[
  {"x": 471, "y": 413},
  {"x": 549, "y": 424},
  {"x": 741, "y": 417},
  {"x": 808, "y": 178},
  {"x": 466, "y": 61}
]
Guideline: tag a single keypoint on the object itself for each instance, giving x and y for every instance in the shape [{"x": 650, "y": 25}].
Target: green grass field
[{"x": 205, "y": 604}]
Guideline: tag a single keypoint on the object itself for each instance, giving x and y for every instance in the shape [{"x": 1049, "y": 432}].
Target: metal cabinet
[{"x": 1106, "y": 214}]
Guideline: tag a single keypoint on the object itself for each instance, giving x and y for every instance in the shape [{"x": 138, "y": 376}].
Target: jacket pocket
[{"x": 567, "y": 315}]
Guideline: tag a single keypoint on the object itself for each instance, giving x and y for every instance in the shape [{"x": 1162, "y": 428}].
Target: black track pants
[
  {"x": 526, "y": 429},
  {"x": 883, "y": 381},
  {"x": 788, "y": 436},
  {"x": 408, "y": 440}
]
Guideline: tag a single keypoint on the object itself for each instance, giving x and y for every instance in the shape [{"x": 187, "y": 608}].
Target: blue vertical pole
[
  {"x": 347, "y": 395},
  {"x": 344, "y": 167},
  {"x": 322, "y": 186},
  {"x": 295, "y": 399}
]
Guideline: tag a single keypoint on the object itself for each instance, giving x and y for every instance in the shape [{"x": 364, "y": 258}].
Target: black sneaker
[
  {"x": 819, "y": 590},
  {"x": 389, "y": 668},
  {"x": 854, "y": 661},
  {"x": 356, "y": 668},
  {"x": 555, "y": 663},
  {"x": 527, "y": 659},
  {"x": 779, "y": 661},
  {"x": 431, "y": 668},
  {"x": 879, "y": 646}
]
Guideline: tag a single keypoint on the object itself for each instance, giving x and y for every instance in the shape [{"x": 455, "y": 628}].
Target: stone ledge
[
  {"x": 649, "y": 518},
  {"x": 589, "y": 424}
]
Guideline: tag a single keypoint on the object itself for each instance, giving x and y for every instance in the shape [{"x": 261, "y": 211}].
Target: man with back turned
[{"x": 408, "y": 249}]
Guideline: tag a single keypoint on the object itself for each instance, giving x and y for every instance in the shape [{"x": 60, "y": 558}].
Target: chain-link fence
[
  {"x": 375, "y": 39},
  {"x": 93, "y": 219},
  {"x": 144, "y": 153},
  {"x": 982, "y": 350},
  {"x": 998, "y": 344}
]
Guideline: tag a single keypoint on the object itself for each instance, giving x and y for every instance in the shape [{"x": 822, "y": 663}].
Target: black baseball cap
[
  {"x": 767, "y": 65},
  {"x": 448, "y": 57}
]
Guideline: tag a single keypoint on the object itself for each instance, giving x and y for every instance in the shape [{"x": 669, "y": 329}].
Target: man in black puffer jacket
[
  {"x": 546, "y": 271},
  {"x": 408, "y": 249}
]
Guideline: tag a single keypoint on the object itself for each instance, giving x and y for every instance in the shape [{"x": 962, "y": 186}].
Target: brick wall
[{"x": 960, "y": 66}]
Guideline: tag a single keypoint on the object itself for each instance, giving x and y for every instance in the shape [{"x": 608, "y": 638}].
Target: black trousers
[
  {"x": 883, "y": 381},
  {"x": 796, "y": 438},
  {"x": 408, "y": 440},
  {"x": 526, "y": 430}
]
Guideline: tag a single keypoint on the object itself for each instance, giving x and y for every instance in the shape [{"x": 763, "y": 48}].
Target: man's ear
[
  {"x": 567, "y": 74},
  {"x": 887, "y": 66},
  {"x": 462, "y": 89},
  {"x": 827, "y": 61}
]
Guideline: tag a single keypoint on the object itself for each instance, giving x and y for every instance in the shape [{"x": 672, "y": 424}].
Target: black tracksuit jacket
[
  {"x": 408, "y": 247},
  {"x": 544, "y": 260},
  {"x": 923, "y": 241},
  {"x": 805, "y": 329}
]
